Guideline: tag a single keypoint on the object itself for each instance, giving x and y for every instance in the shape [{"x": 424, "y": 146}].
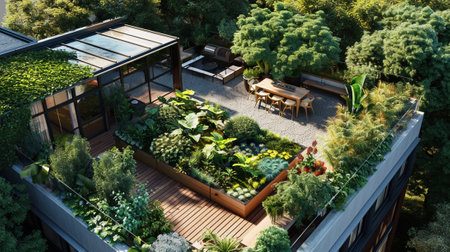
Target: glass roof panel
[
  {"x": 82, "y": 63},
  {"x": 145, "y": 34},
  {"x": 132, "y": 39},
  {"x": 114, "y": 45},
  {"x": 96, "y": 61},
  {"x": 96, "y": 51}
]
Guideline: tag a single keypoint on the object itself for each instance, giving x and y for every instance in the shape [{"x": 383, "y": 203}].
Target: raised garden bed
[{"x": 237, "y": 206}]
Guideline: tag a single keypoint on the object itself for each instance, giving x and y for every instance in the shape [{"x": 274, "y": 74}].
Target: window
[
  {"x": 355, "y": 233},
  {"x": 381, "y": 198}
]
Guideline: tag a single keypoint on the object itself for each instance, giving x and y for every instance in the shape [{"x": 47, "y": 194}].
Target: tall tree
[
  {"x": 13, "y": 211},
  {"x": 284, "y": 42},
  {"x": 44, "y": 18},
  {"x": 413, "y": 46}
]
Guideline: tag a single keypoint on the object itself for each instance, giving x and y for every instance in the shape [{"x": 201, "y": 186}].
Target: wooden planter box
[{"x": 241, "y": 208}]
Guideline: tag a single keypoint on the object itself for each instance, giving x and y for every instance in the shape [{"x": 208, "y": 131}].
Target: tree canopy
[
  {"x": 413, "y": 46},
  {"x": 284, "y": 42},
  {"x": 13, "y": 211}
]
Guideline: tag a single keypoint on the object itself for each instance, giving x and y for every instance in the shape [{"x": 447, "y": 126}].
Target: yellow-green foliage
[{"x": 351, "y": 139}]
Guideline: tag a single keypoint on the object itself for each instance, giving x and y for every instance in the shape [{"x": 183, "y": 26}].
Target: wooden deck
[{"x": 190, "y": 213}]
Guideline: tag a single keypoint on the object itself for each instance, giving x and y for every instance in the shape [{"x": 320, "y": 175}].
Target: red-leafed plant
[{"x": 309, "y": 163}]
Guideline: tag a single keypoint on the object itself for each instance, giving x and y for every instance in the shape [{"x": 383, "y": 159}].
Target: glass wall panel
[
  {"x": 165, "y": 80},
  {"x": 57, "y": 98},
  {"x": 87, "y": 58},
  {"x": 114, "y": 45},
  {"x": 145, "y": 34},
  {"x": 146, "y": 43},
  {"x": 133, "y": 67},
  {"x": 109, "y": 76},
  {"x": 96, "y": 51},
  {"x": 63, "y": 120},
  {"x": 39, "y": 125},
  {"x": 86, "y": 86},
  {"x": 133, "y": 80},
  {"x": 89, "y": 107}
]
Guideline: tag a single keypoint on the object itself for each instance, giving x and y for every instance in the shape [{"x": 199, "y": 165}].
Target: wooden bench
[{"x": 326, "y": 87}]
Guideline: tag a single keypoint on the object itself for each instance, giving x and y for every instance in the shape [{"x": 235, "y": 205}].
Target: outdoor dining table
[{"x": 290, "y": 91}]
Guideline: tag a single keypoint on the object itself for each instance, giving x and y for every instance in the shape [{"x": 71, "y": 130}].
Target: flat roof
[
  {"x": 104, "y": 46},
  {"x": 10, "y": 40}
]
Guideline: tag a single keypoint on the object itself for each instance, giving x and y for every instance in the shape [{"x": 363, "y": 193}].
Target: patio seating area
[{"x": 233, "y": 98}]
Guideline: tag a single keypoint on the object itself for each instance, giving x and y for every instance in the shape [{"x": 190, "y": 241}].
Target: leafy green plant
[
  {"x": 253, "y": 72},
  {"x": 117, "y": 101},
  {"x": 355, "y": 95},
  {"x": 281, "y": 144},
  {"x": 114, "y": 172},
  {"x": 273, "y": 238},
  {"x": 271, "y": 167},
  {"x": 170, "y": 148},
  {"x": 274, "y": 207},
  {"x": 274, "y": 154},
  {"x": 38, "y": 171},
  {"x": 71, "y": 159},
  {"x": 14, "y": 206},
  {"x": 215, "y": 243},
  {"x": 243, "y": 128},
  {"x": 203, "y": 177},
  {"x": 172, "y": 242},
  {"x": 302, "y": 195},
  {"x": 191, "y": 126},
  {"x": 168, "y": 116},
  {"x": 251, "y": 149}
]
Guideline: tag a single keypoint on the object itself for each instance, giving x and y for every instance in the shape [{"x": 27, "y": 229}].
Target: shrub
[
  {"x": 170, "y": 243},
  {"x": 139, "y": 215},
  {"x": 243, "y": 128},
  {"x": 114, "y": 172},
  {"x": 71, "y": 159},
  {"x": 274, "y": 207},
  {"x": 203, "y": 177},
  {"x": 271, "y": 167},
  {"x": 273, "y": 238},
  {"x": 13, "y": 211},
  {"x": 168, "y": 117},
  {"x": 214, "y": 243},
  {"x": 169, "y": 148}
]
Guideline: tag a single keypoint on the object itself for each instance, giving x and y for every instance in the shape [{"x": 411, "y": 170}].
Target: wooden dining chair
[
  {"x": 289, "y": 104},
  {"x": 275, "y": 100},
  {"x": 306, "y": 103},
  {"x": 261, "y": 96},
  {"x": 249, "y": 86}
]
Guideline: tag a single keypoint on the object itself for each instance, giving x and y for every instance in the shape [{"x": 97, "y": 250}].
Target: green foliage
[
  {"x": 38, "y": 171},
  {"x": 253, "y": 72},
  {"x": 172, "y": 242},
  {"x": 169, "y": 148},
  {"x": 243, "y": 128},
  {"x": 302, "y": 195},
  {"x": 138, "y": 215},
  {"x": 141, "y": 13},
  {"x": 273, "y": 238},
  {"x": 71, "y": 159},
  {"x": 32, "y": 75},
  {"x": 214, "y": 243},
  {"x": 168, "y": 117},
  {"x": 280, "y": 144},
  {"x": 14, "y": 128},
  {"x": 435, "y": 236},
  {"x": 274, "y": 207},
  {"x": 368, "y": 13},
  {"x": 114, "y": 172},
  {"x": 285, "y": 42},
  {"x": 226, "y": 29},
  {"x": 355, "y": 95},
  {"x": 117, "y": 101},
  {"x": 203, "y": 177},
  {"x": 414, "y": 43},
  {"x": 45, "y": 18},
  {"x": 13, "y": 211},
  {"x": 194, "y": 21},
  {"x": 271, "y": 167}
]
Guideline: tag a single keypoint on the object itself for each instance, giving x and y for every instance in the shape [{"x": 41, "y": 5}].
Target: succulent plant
[
  {"x": 251, "y": 149},
  {"x": 241, "y": 193},
  {"x": 169, "y": 148},
  {"x": 271, "y": 167}
]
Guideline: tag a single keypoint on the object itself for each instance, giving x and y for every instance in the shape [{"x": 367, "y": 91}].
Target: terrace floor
[
  {"x": 192, "y": 214},
  {"x": 232, "y": 97}
]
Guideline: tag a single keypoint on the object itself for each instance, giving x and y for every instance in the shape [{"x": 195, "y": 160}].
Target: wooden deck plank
[{"x": 190, "y": 212}]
